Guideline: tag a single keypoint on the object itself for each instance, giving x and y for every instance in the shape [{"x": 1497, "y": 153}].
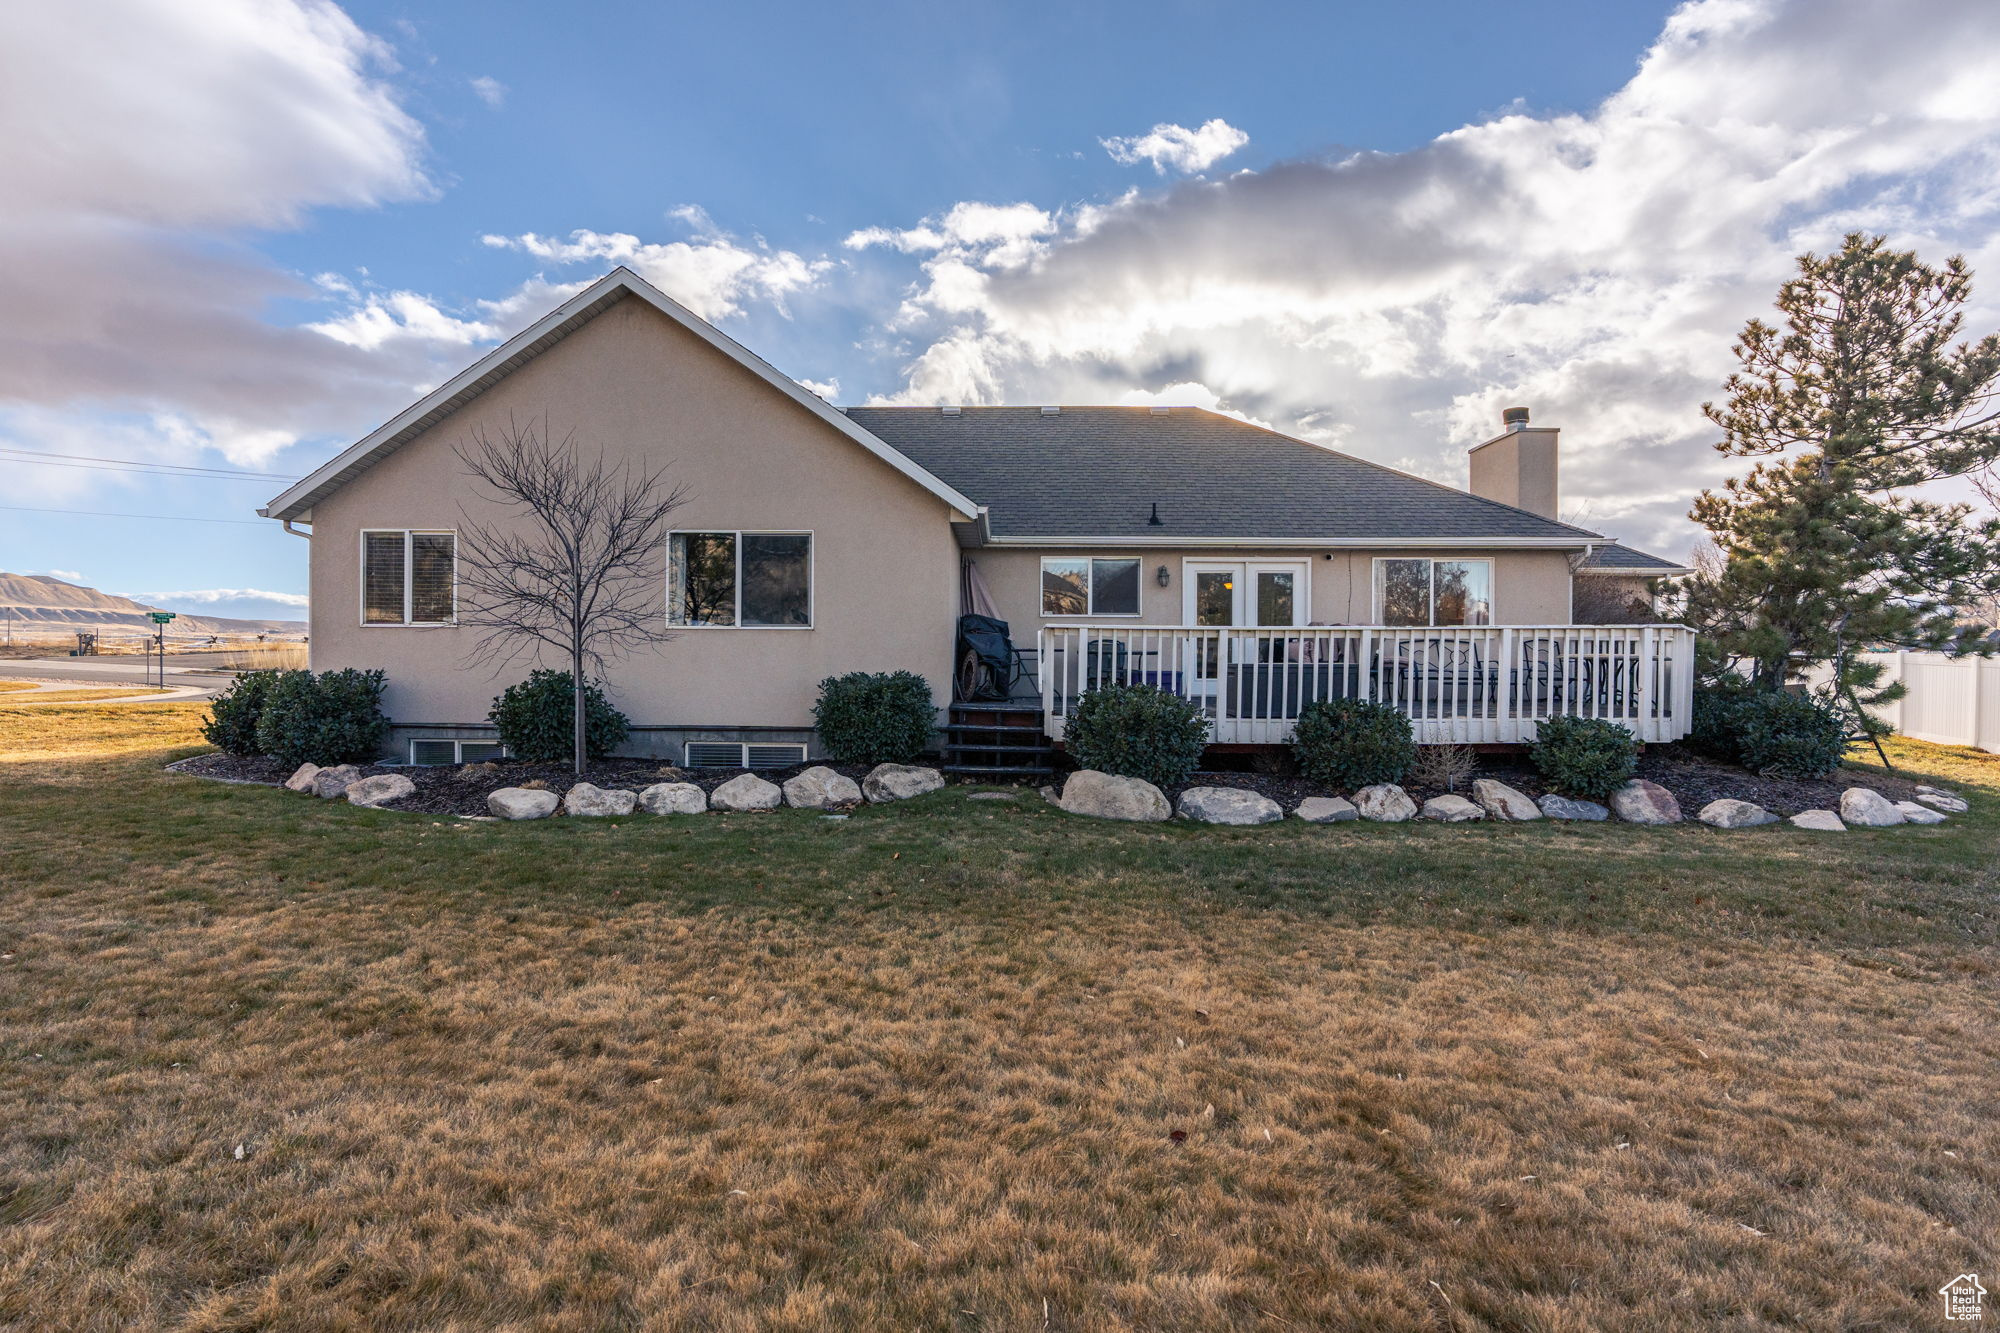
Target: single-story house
[{"x": 1170, "y": 545}]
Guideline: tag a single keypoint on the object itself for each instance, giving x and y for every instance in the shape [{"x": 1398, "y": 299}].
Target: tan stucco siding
[
  {"x": 641, "y": 388},
  {"x": 1529, "y": 587}
]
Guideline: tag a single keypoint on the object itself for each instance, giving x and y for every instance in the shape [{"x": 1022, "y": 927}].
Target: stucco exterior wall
[
  {"x": 641, "y": 388},
  {"x": 1529, "y": 587}
]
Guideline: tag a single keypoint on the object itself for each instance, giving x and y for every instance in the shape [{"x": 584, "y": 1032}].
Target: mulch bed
[{"x": 1693, "y": 781}]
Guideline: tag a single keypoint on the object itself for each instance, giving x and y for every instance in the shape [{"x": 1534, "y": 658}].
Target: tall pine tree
[{"x": 1865, "y": 393}]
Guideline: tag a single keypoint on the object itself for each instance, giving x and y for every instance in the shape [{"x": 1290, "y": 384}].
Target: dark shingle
[
  {"x": 1625, "y": 560},
  {"x": 1098, "y": 471}
]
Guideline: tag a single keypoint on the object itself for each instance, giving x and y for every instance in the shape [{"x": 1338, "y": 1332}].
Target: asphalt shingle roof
[
  {"x": 1098, "y": 472},
  {"x": 1623, "y": 559}
]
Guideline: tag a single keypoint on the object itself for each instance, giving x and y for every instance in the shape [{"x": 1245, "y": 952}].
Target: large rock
[
  {"x": 1942, "y": 800},
  {"x": 820, "y": 788},
  {"x": 380, "y": 790},
  {"x": 1568, "y": 807},
  {"x": 1108, "y": 796},
  {"x": 1502, "y": 802},
  {"x": 1449, "y": 809},
  {"x": 330, "y": 784},
  {"x": 1868, "y": 808},
  {"x": 673, "y": 798},
  {"x": 1643, "y": 802},
  {"x": 1326, "y": 810},
  {"x": 899, "y": 782},
  {"x": 1229, "y": 805},
  {"x": 521, "y": 803},
  {"x": 1819, "y": 821},
  {"x": 1385, "y": 803},
  {"x": 302, "y": 778},
  {"x": 1731, "y": 813},
  {"x": 1919, "y": 814},
  {"x": 587, "y": 802},
  {"x": 748, "y": 792}
]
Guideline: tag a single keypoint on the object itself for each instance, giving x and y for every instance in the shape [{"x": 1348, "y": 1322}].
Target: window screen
[
  {"x": 382, "y": 578},
  {"x": 777, "y": 578},
  {"x": 432, "y": 566},
  {"x": 1065, "y": 587},
  {"x": 1114, "y": 587},
  {"x": 701, "y": 578},
  {"x": 761, "y": 579},
  {"x": 1403, "y": 591}
]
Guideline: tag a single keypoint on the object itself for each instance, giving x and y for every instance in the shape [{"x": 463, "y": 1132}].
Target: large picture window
[
  {"x": 751, "y": 580},
  {"x": 1090, "y": 587},
  {"x": 1433, "y": 592},
  {"x": 408, "y": 578}
]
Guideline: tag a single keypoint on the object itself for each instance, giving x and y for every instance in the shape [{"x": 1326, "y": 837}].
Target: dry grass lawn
[{"x": 271, "y": 1063}]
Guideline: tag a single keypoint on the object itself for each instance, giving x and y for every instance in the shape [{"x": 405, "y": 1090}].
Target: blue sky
[{"x": 264, "y": 227}]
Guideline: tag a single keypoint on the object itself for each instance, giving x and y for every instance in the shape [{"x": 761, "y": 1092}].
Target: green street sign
[{"x": 163, "y": 616}]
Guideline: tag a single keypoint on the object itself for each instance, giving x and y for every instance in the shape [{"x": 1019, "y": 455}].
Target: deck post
[{"x": 1642, "y": 692}]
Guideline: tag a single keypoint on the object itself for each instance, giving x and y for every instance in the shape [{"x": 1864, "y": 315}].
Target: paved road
[{"x": 193, "y": 670}]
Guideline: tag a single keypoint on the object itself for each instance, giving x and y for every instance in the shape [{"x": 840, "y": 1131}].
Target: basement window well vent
[
  {"x": 733, "y": 754},
  {"x": 439, "y": 752}
]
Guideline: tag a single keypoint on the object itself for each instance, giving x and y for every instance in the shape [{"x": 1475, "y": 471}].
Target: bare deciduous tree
[{"x": 574, "y": 566}]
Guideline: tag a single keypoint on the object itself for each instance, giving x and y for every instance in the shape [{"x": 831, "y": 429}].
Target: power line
[
  {"x": 48, "y": 455},
  {"x": 98, "y": 513},
  {"x": 137, "y": 471}
]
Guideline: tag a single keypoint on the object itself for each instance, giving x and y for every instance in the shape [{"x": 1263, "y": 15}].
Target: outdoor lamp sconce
[{"x": 1164, "y": 576}]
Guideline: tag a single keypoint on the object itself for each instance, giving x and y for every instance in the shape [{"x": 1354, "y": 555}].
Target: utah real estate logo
[{"x": 1963, "y": 1297}]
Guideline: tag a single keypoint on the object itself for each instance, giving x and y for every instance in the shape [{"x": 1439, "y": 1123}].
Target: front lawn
[{"x": 973, "y": 1065}]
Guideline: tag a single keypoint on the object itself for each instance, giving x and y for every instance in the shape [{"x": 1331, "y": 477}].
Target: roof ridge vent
[
  {"x": 1161, "y": 411},
  {"x": 1050, "y": 411},
  {"x": 951, "y": 411}
]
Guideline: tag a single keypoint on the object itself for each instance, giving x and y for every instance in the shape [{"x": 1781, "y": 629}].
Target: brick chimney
[{"x": 1518, "y": 466}]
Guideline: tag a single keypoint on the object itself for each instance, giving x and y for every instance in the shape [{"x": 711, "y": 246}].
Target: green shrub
[
  {"x": 537, "y": 719},
  {"x": 1348, "y": 744},
  {"x": 875, "y": 717},
  {"x": 1137, "y": 731},
  {"x": 1784, "y": 735},
  {"x": 1714, "y": 728},
  {"x": 332, "y": 718},
  {"x": 233, "y": 716},
  {"x": 1585, "y": 757}
]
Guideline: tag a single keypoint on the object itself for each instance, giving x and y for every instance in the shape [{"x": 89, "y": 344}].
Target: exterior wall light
[{"x": 1164, "y": 576}]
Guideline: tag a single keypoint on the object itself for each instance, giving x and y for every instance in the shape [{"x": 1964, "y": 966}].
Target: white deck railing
[{"x": 1488, "y": 684}]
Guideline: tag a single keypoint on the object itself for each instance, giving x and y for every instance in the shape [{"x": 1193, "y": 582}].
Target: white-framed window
[
  {"x": 1414, "y": 590},
  {"x": 408, "y": 577},
  {"x": 433, "y": 751},
  {"x": 739, "y": 580},
  {"x": 1090, "y": 585},
  {"x": 744, "y": 754}
]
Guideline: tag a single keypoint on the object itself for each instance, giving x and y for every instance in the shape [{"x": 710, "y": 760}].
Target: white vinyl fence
[{"x": 1952, "y": 700}]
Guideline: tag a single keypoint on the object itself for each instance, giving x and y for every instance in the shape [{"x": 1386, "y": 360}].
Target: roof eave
[{"x": 1338, "y": 543}]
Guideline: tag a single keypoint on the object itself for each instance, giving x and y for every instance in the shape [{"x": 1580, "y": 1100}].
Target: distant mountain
[{"x": 44, "y": 608}]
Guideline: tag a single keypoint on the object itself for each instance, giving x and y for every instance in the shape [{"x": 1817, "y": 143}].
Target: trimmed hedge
[
  {"x": 536, "y": 719},
  {"x": 875, "y": 717},
  {"x": 1585, "y": 757},
  {"x": 1137, "y": 731},
  {"x": 1348, "y": 744},
  {"x": 332, "y": 718},
  {"x": 235, "y": 713}
]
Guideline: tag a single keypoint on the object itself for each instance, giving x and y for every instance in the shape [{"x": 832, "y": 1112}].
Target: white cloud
[
  {"x": 1178, "y": 148},
  {"x": 715, "y": 275},
  {"x": 1595, "y": 266},
  {"x": 385, "y": 317},
  {"x": 490, "y": 90},
  {"x": 827, "y": 389},
  {"x": 212, "y": 596},
  {"x": 66, "y": 575}
]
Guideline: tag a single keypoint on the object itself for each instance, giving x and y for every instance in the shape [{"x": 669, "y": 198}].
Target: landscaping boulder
[
  {"x": 1931, "y": 796},
  {"x": 1567, "y": 807},
  {"x": 1868, "y": 808},
  {"x": 1385, "y": 803},
  {"x": 380, "y": 790},
  {"x": 1451, "y": 809},
  {"x": 302, "y": 778},
  {"x": 748, "y": 792},
  {"x": 1502, "y": 802},
  {"x": 1228, "y": 805},
  {"x": 588, "y": 802},
  {"x": 330, "y": 784},
  {"x": 1326, "y": 810},
  {"x": 1108, "y": 796},
  {"x": 1820, "y": 821},
  {"x": 673, "y": 798},
  {"x": 820, "y": 788},
  {"x": 521, "y": 803},
  {"x": 1731, "y": 813},
  {"x": 1919, "y": 814},
  {"x": 899, "y": 782},
  {"x": 1643, "y": 802}
]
